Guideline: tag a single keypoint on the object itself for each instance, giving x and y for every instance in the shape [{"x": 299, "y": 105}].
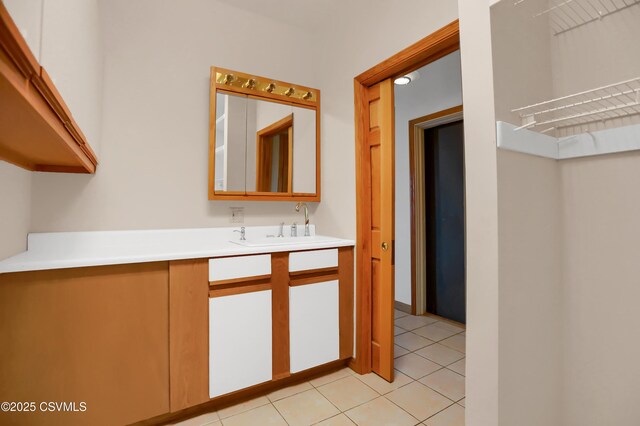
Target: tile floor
[{"x": 428, "y": 388}]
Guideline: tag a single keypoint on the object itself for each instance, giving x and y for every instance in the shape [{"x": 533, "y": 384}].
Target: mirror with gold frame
[{"x": 264, "y": 139}]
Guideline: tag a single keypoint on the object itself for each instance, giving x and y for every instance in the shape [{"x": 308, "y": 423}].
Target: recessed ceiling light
[
  {"x": 402, "y": 81},
  {"x": 406, "y": 79}
]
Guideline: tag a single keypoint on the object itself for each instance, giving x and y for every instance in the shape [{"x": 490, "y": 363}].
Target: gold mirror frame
[{"x": 261, "y": 88}]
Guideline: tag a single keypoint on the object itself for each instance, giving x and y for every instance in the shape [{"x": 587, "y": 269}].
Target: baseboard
[
  {"x": 402, "y": 307},
  {"x": 245, "y": 394}
]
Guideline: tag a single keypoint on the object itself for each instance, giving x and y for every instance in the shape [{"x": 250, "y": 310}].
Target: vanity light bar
[{"x": 248, "y": 83}]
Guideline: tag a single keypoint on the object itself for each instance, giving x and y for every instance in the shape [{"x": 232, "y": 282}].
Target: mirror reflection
[
  {"x": 264, "y": 146},
  {"x": 269, "y": 146},
  {"x": 230, "y": 143}
]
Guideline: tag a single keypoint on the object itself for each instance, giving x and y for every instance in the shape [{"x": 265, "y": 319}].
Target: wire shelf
[
  {"x": 565, "y": 15},
  {"x": 604, "y": 103}
]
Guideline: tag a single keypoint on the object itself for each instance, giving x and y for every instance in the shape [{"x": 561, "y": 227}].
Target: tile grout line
[
  {"x": 442, "y": 368},
  {"x": 278, "y": 411},
  {"x": 322, "y": 395},
  {"x": 379, "y": 396},
  {"x": 434, "y": 341}
]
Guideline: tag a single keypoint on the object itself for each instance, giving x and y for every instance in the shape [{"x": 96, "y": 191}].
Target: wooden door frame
[
  {"x": 417, "y": 127},
  {"x": 431, "y": 48}
]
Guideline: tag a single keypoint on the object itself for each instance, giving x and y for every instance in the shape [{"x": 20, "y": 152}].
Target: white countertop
[{"x": 57, "y": 250}]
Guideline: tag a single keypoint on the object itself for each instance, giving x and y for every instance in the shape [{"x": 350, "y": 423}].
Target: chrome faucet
[
  {"x": 306, "y": 217},
  {"x": 242, "y": 233},
  {"x": 281, "y": 233}
]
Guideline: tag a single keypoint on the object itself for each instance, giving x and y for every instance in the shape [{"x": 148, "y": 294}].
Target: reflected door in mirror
[
  {"x": 274, "y": 156},
  {"x": 269, "y": 146}
]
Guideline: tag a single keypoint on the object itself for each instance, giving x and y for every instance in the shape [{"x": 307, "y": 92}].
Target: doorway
[
  {"x": 444, "y": 236},
  {"x": 422, "y": 219},
  {"x": 375, "y": 193}
]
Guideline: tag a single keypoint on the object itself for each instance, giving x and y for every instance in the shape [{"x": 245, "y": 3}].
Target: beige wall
[
  {"x": 529, "y": 198},
  {"x": 350, "y": 47},
  {"x": 600, "y": 233},
  {"x": 156, "y": 111},
  {"x": 52, "y": 28},
  {"x": 601, "y": 283},
  {"x": 15, "y": 183},
  {"x": 71, "y": 34},
  {"x": 596, "y": 55},
  {"x": 15, "y": 209},
  {"x": 568, "y": 236},
  {"x": 27, "y": 15},
  {"x": 154, "y": 150},
  {"x": 531, "y": 339},
  {"x": 521, "y": 58}
]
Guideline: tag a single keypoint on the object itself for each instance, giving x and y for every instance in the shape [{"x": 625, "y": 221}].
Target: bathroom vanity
[{"x": 142, "y": 324}]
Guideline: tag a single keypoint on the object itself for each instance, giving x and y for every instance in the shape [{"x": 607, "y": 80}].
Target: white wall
[{"x": 439, "y": 87}]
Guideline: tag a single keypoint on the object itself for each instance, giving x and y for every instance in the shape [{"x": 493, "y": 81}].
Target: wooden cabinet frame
[
  {"x": 37, "y": 130},
  {"x": 162, "y": 323},
  {"x": 303, "y": 97},
  {"x": 190, "y": 291}
]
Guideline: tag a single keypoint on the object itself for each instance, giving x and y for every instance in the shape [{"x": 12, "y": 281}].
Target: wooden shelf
[{"x": 37, "y": 130}]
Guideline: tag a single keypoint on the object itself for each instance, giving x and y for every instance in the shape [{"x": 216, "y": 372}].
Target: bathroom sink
[{"x": 282, "y": 241}]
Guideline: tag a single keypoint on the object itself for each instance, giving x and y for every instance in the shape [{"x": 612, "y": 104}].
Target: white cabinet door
[
  {"x": 314, "y": 324},
  {"x": 239, "y": 341}
]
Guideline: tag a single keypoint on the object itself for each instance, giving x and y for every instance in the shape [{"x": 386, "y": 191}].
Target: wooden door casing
[{"x": 431, "y": 48}]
